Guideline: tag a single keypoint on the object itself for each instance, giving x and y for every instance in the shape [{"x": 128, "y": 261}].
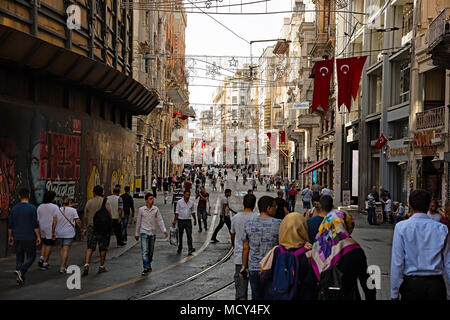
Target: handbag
[
  {"x": 67, "y": 218},
  {"x": 173, "y": 236}
]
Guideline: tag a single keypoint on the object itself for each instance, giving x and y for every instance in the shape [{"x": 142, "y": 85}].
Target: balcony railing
[
  {"x": 438, "y": 28},
  {"x": 430, "y": 119}
]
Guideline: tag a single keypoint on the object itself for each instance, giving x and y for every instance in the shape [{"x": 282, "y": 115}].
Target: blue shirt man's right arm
[{"x": 397, "y": 262}]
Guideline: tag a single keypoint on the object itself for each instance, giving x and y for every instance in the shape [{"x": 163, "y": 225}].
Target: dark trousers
[
  {"x": 124, "y": 227},
  {"x": 23, "y": 247},
  {"x": 185, "y": 225},
  {"x": 154, "y": 191},
  {"x": 117, "y": 229},
  {"x": 201, "y": 216},
  {"x": 423, "y": 288},
  {"x": 261, "y": 288},
  {"x": 226, "y": 221},
  {"x": 372, "y": 216}
]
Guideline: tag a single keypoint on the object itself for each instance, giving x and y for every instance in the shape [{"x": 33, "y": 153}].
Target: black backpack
[
  {"x": 102, "y": 220},
  {"x": 330, "y": 284}
]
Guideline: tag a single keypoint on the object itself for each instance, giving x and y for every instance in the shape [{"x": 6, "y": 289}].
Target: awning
[
  {"x": 22, "y": 50},
  {"x": 314, "y": 166}
]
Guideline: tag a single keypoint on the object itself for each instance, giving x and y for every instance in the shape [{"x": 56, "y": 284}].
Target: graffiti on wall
[
  {"x": 8, "y": 154},
  {"x": 110, "y": 162}
]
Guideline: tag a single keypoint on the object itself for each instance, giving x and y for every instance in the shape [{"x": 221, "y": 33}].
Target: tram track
[{"x": 192, "y": 278}]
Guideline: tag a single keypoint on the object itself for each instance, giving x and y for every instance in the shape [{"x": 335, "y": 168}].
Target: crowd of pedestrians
[{"x": 282, "y": 254}]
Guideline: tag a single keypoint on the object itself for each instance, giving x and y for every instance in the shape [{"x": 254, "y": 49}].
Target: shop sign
[
  {"x": 429, "y": 150},
  {"x": 426, "y": 138},
  {"x": 395, "y": 152}
]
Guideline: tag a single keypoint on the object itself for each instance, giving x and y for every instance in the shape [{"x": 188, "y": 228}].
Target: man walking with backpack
[
  {"x": 147, "y": 220},
  {"x": 97, "y": 220}
]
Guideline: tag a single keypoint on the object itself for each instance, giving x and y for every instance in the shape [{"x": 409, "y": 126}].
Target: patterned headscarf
[{"x": 333, "y": 241}]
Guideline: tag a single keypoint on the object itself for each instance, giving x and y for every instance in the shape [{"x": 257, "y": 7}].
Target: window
[
  {"x": 242, "y": 100},
  {"x": 309, "y": 95},
  {"x": 234, "y": 100},
  {"x": 147, "y": 18},
  {"x": 400, "y": 129},
  {"x": 404, "y": 82}
]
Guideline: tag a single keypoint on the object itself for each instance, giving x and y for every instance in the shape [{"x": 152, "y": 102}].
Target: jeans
[
  {"x": 372, "y": 216},
  {"x": 23, "y": 247},
  {"x": 117, "y": 229},
  {"x": 185, "y": 225},
  {"x": 166, "y": 196},
  {"x": 291, "y": 205},
  {"x": 147, "y": 248},
  {"x": 125, "y": 220},
  {"x": 261, "y": 288},
  {"x": 227, "y": 221},
  {"x": 240, "y": 284},
  {"x": 201, "y": 216}
]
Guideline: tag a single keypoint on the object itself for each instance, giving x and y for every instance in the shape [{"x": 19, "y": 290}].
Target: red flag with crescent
[
  {"x": 175, "y": 114},
  {"x": 381, "y": 141},
  {"x": 183, "y": 117},
  {"x": 349, "y": 75},
  {"x": 323, "y": 71}
]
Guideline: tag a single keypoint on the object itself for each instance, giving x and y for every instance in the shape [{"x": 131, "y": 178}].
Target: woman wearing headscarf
[
  {"x": 335, "y": 247},
  {"x": 293, "y": 237}
]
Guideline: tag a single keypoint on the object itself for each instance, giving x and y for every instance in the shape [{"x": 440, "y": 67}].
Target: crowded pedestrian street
[
  {"x": 124, "y": 280},
  {"x": 171, "y": 151}
]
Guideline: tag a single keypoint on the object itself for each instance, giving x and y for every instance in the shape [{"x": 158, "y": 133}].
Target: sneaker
[
  {"x": 86, "y": 270},
  {"x": 45, "y": 266},
  {"x": 190, "y": 251},
  {"x": 19, "y": 277},
  {"x": 102, "y": 270},
  {"x": 214, "y": 240},
  {"x": 121, "y": 244},
  {"x": 145, "y": 272},
  {"x": 62, "y": 270}
]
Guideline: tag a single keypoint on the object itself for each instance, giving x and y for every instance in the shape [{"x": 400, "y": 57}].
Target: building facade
[{"x": 68, "y": 97}]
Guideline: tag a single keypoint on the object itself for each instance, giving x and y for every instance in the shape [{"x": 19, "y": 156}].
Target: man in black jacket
[{"x": 128, "y": 211}]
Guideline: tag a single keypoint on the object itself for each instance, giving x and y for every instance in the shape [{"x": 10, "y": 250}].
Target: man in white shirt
[
  {"x": 326, "y": 192},
  {"x": 237, "y": 231},
  {"x": 183, "y": 213},
  {"x": 225, "y": 215},
  {"x": 148, "y": 218},
  {"x": 154, "y": 186},
  {"x": 116, "y": 204}
]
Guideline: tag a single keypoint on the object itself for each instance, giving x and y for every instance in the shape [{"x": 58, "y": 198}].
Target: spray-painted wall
[{"x": 61, "y": 150}]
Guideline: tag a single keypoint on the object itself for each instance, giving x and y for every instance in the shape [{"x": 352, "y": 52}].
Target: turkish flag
[
  {"x": 175, "y": 114},
  {"x": 283, "y": 136},
  {"x": 349, "y": 75},
  {"x": 269, "y": 135},
  {"x": 323, "y": 71},
  {"x": 381, "y": 141},
  {"x": 183, "y": 117}
]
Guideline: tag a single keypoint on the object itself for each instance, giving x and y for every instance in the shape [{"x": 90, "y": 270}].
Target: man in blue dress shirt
[{"x": 420, "y": 254}]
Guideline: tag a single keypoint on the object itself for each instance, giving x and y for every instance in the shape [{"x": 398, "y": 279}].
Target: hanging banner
[
  {"x": 323, "y": 71},
  {"x": 349, "y": 75}
]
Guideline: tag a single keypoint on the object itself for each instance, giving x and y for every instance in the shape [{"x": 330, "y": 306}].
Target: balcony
[
  {"x": 430, "y": 119},
  {"x": 439, "y": 39}
]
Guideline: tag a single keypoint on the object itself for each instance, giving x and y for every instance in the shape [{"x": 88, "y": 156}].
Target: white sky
[{"x": 206, "y": 37}]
